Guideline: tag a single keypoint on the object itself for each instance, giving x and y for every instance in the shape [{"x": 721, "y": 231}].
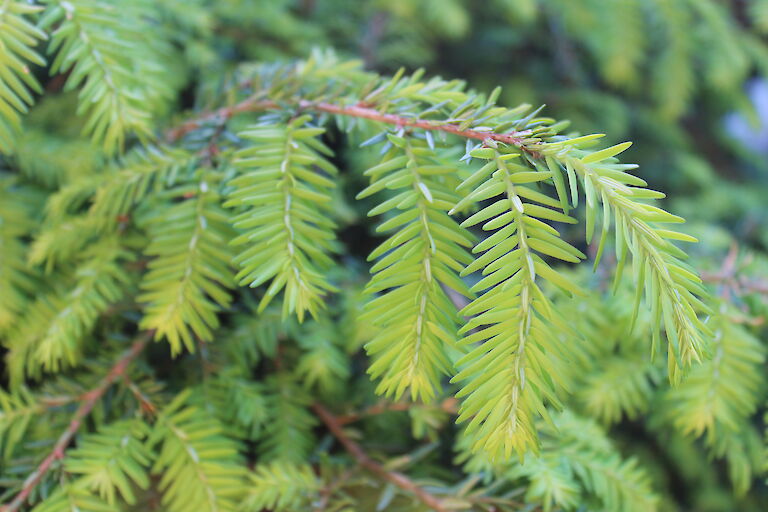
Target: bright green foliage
[
  {"x": 199, "y": 465},
  {"x": 99, "y": 282},
  {"x": 62, "y": 240},
  {"x": 55, "y": 326},
  {"x": 112, "y": 461},
  {"x": 17, "y": 410},
  {"x": 187, "y": 281},
  {"x": 16, "y": 277},
  {"x": 672, "y": 288},
  {"x": 249, "y": 412},
  {"x": 611, "y": 33},
  {"x": 514, "y": 370},
  {"x": 109, "y": 462},
  {"x": 284, "y": 219},
  {"x": 577, "y": 466},
  {"x": 722, "y": 392},
  {"x": 614, "y": 377},
  {"x": 718, "y": 398},
  {"x": 305, "y": 283},
  {"x": 39, "y": 158},
  {"x": 575, "y": 454},
  {"x": 616, "y": 380},
  {"x": 103, "y": 45},
  {"x": 73, "y": 498},
  {"x": 287, "y": 436},
  {"x": 415, "y": 319},
  {"x": 132, "y": 179},
  {"x": 111, "y": 196},
  {"x": 280, "y": 486},
  {"x": 254, "y": 337},
  {"x": 18, "y": 39},
  {"x": 323, "y": 363}
]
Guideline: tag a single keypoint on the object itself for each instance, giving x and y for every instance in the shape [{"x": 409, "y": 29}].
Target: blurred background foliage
[{"x": 684, "y": 79}]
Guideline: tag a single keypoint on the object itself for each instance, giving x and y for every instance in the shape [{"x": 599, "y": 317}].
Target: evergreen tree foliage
[{"x": 242, "y": 273}]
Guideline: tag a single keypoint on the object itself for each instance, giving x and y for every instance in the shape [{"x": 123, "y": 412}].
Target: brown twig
[
  {"x": 145, "y": 403},
  {"x": 89, "y": 401},
  {"x": 50, "y": 402},
  {"x": 224, "y": 114},
  {"x": 731, "y": 281},
  {"x": 741, "y": 285},
  {"x": 733, "y": 286},
  {"x": 326, "y": 493},
  {"x": 393, "y": 477},
  {"x": 254, "y": 104},
  {"x": 449, "y": 405}
]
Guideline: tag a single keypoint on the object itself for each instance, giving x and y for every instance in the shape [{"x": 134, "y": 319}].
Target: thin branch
[
  {"x": 733, "y": 286},
  {"x": 89, "y": 401},
  {"x": 255, "y": 104},
  {"x": 729, "y": 268},
  {"x": 395, "y": 478},
  {"x": 145, "y": 403},
  {"x": 732, "y": 281},
  {"x": 252, "y": 104},
  {"x": 741, "y": 284},
  {"x": 514, "y": 138},
  {"x": 449, "y": 405},
  {"x": 51, "y": 402},
  {"x": 326, "y": 493}
]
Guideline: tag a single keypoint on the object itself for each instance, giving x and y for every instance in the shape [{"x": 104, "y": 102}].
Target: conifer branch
[
  {"x": 449, "y": 405},
  {"x": 414, "y": 317},
  {"x": 199, "y": 464},
  {"x": 360, "y": 110},
  {"x": 277, "y": 183},
  {"x": 328, "y": 490},
  {"x": 18, "y": 39},
  {"x": 515, "y": 138},
  {"x": 89, "y": 401},
  {"x": 189, "y": 278},
  {"x": 190, "y": 225},
  {"x": 395, "y": 478}
]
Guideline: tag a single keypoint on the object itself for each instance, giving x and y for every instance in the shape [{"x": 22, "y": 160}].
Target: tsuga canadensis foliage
[{"x": 317, "y": 287}]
